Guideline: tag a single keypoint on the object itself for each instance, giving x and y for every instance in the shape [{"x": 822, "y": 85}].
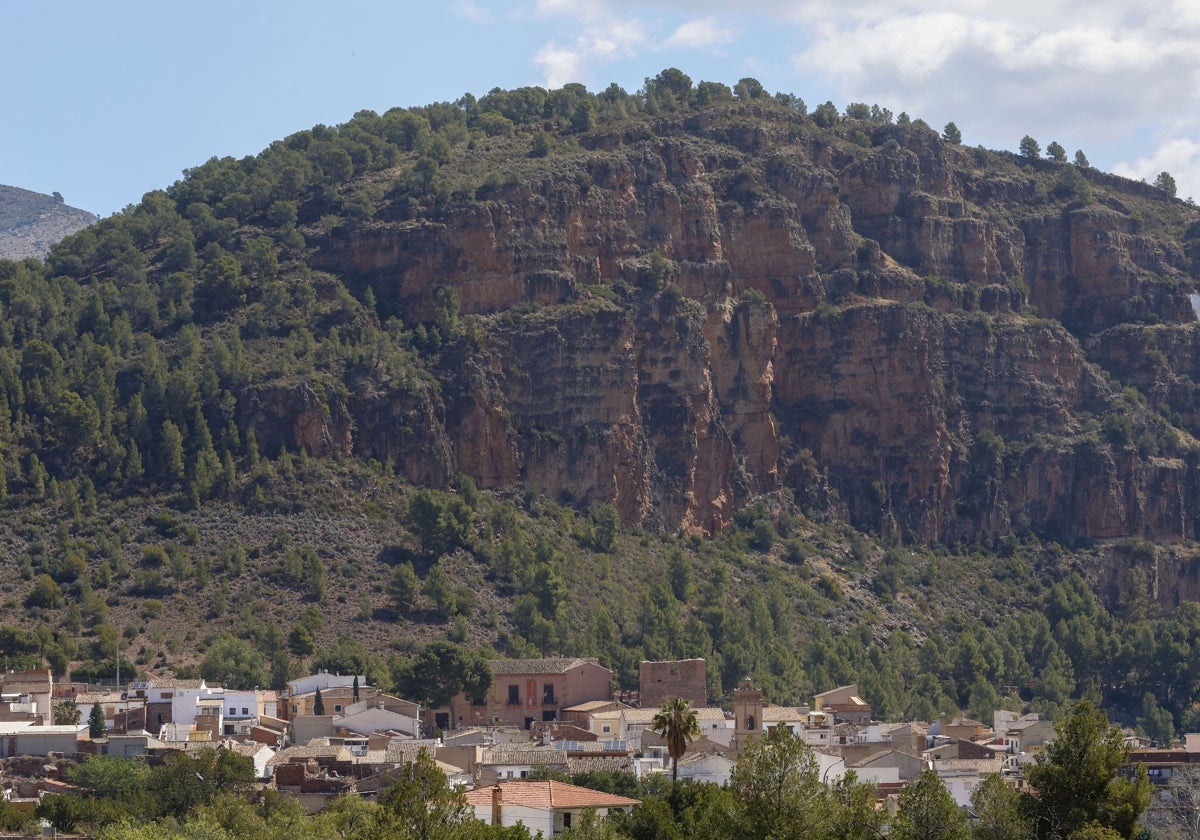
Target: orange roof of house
[{"x": 547, "y": 794}]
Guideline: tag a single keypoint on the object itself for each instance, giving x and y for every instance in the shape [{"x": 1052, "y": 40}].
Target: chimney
[{"x": 497, "y": 798}]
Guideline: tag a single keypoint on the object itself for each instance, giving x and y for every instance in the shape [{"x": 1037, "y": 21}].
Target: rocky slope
[
  {"x": 927, "y": 338},
  {"x": 30, "y": 222}
]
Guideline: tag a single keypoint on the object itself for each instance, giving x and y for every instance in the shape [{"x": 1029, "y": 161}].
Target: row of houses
[{"x": 327, "y": 734}]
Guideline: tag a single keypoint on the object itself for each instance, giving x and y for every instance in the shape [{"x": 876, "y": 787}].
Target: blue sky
[{"x": 106, "y": 101}]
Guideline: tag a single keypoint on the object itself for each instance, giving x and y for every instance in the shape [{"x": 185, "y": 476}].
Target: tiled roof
[
  {"x": 599, "y": 764},
  {"x": 314, "y": 750},
  {"x": 538, "y": 666},
  {"x": 98, "y": 697},
  {"x": 978, "y": 765},
  {"x": 547, "y": 794},
  {"x": 646, "y": 716},
  {"x": 839, "y": 688},
  {"x": 170, "y": 682},
  {"x": 694, "y": 758},
  {"x": 569, "y": 732},
  {"x": 703, "y": 746},
  {"x": 523, "y": 754},
  {"x": 593, "y": 705}
]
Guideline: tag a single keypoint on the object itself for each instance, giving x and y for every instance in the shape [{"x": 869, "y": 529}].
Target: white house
[
  {"x": 240, "y": 710},
  {"x": 324, "y": 681},
  {"x": 712, "y": 767}
]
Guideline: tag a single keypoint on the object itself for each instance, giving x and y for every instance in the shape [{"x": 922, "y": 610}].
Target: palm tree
[{"x": 676, "y": 722}]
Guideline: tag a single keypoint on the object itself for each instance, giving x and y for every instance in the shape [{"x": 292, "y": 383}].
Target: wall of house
[
  {"x": 307, "y": 727},
  {"x": 535, "y": 819},
  {"x": 50, "y": 739},
  {"x": 518, "y": 699}
]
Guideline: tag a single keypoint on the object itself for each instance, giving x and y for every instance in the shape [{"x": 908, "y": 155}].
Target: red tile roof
[{"x": 547, "y": 794}]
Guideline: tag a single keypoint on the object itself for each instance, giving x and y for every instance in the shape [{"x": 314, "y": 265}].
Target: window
[
  {"x": 567, "y": 820},
  {"x": 606, "y": 729},
  {"x": 749, "y": 722},
  {"x": 245, "y": 710},
  {"x": 514, "y": 695},
  {"x": 337, "y": 708},
  {"x": 478, "y": 701},
  {"x": 232, "y": 711},
  {"x": 524, "y": 774},
  {"x": 547, "y": 693}
]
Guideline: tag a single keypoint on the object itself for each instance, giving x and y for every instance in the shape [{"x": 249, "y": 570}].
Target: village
[{"x": 326, "y": 735}]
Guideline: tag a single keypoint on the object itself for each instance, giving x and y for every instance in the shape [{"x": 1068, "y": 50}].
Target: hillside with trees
[{"x": 821, "y": 396}]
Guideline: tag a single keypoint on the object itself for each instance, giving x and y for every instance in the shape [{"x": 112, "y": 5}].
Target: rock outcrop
[{"x": 30, "y": 222}]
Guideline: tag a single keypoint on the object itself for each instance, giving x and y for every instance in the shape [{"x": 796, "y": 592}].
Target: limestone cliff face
[{"x": 680, "y": 322}]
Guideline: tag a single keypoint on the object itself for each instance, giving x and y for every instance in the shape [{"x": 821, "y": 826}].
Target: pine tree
[{"x": 318, "y": 704}]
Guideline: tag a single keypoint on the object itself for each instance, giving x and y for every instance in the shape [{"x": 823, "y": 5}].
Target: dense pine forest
[{"x": 217, "y": 453}]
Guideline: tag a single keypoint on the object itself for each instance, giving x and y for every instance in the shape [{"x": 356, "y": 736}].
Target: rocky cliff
[{"x": 927, "y": 338}]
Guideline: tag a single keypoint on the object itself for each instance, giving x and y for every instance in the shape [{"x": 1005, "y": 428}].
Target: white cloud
[
  {"x": 568, "y": 7},
  {"x": 1004, "y": 69},
  {"x": 604, "y": 36},
  {"x": 702, "y": 32},
  {"x": 560, "y": 65}
]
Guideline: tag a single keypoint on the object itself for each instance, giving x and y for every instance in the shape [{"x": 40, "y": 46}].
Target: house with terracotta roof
[
  {"x": 544, "y": 807},
  {"x": 527, "y": 690}
]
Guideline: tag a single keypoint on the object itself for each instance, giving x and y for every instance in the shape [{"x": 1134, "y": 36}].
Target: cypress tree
[{"x": 96, "y": 727}]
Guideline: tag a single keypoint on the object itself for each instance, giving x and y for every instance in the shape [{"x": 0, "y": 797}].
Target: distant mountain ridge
[{"x": 31, "y": 222}]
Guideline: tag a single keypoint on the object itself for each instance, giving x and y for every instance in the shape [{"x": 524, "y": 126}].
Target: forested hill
[
  {"x": 823, "y": 397},
  {"x": 31, "y": 222}
]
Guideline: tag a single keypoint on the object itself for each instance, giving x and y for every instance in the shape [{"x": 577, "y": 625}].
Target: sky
[{"x": 104, "y": 102}]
